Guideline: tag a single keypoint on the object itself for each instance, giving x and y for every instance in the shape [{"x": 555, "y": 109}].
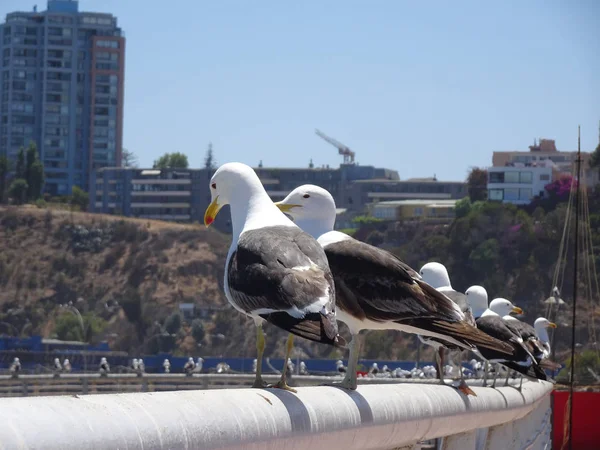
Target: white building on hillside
[{"x": 520, "y": 182}]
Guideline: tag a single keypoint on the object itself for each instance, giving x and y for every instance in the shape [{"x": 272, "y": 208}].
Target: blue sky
[{"x": 421, "y": 87}]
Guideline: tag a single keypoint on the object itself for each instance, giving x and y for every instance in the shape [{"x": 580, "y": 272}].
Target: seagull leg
[
  {"x": 485, "y": 373},
  {"x": 521, "y": 384},
  {"x": 439, "y": 362},
  {"x": 260, "y": 347},
  {"x": 349, "y": 381},
  {"x": 496, "y": 370},
  {"x": 507, "y": 377},
  {"x": 282, "y": 383}
]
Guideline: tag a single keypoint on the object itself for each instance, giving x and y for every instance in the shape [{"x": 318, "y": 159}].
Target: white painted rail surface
[{"x": 376, "y": 416}]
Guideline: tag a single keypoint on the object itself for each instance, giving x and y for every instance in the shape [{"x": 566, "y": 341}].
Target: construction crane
[{"x": 342, "y": 149}]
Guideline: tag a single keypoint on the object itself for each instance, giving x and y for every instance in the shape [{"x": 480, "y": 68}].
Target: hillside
[{"x": 127, "y": 277}]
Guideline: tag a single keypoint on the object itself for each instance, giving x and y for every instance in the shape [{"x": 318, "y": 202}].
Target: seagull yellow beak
[
  {"x": 551, "y": 325},
  {"x": 286, "y": 207},
  {"x": 516, "y": 310},
  {"x": 211, "y": 212}
]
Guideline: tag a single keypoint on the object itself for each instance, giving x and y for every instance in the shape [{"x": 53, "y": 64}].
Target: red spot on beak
[{"x": 209, "y": 220}]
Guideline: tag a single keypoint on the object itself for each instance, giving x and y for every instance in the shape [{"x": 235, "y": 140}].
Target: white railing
[{"x": 375, "y": 416}]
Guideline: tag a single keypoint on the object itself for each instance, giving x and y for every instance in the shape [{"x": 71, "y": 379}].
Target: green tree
[
  {"x": 198, "y": 330},
  {"x": 4, "y": 169},
  {"x": 173, "y": 323},
  {"x": 128, "y": 158},
  {"x": 209, "y": 159},
  {"x": 32, "y": 172},
  {"x": 462, "y": 207},
  {"x": 18, "y": 191},
  {"x": 477, "y": 184},
  {"x": 175, "y": 160},
  {"x": 20, "y": 166},
  {"x": 80, "y": 198}
]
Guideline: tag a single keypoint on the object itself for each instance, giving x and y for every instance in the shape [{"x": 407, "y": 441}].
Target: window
[
  {"x": 544, "y": 177},
  {"x": 526, "y": 177},
  {"x": 496, "y": 194},
  {"x": 525, "y": 194},
  {"x": 511, "y": 177},
  {"x": 496, "y": 177},
  {"x": 511, "y": 194},
  {"x": 418, "y": 212}
]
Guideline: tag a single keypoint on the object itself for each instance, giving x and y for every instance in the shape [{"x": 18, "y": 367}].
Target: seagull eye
[
  {"x": 306, "y": 196},
  {"x": 214, "y": 185}
]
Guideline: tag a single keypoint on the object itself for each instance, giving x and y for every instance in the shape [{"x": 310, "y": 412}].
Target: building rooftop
[
  {"x": 410, "y": 180},
  {"x": 424, "y": 202}
]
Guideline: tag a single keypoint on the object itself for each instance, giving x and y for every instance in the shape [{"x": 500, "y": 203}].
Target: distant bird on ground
[
  {"x": 104, "y": 367},
  {"x": 141, "y": 366},
  {"x": 374, "y": 288},
  {"x": 274, "y": 272},
  {"x": 490, "y": 321},
  {"x": 199, "y": 365},
  {"x": 189, "y": 366},
  {"x": 223, "y": 367},
  {"x": 374, "y": 370},
  {"x": 57, "y": 365},
  {"x": 15, "y": 367},
  {"x": 339, "y": 366},
  {"x": 66, "y": 366},
  {"x": 290, "y": 366},
  {"x": 167, "y": 366},
  {"x": 134, "y": 364},
  {"x": 303, "y": 369},
  {"x": 254, "y": 364}
]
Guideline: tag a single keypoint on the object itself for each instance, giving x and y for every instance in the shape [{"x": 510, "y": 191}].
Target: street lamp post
[{"x": 73, "y": 310}]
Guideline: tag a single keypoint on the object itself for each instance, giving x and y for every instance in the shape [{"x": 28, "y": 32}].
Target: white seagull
[
  {"x": 275, "y": 272},
  {"x": 375, "y": 289}
]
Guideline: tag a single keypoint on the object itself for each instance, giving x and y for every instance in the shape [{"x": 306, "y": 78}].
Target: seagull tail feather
[
  {"x": 313, "y": 326},
  {"x": 532, "y": 371}
]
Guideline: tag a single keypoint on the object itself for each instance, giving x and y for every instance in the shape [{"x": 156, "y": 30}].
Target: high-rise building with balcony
[{"x": 62, "y": 82}]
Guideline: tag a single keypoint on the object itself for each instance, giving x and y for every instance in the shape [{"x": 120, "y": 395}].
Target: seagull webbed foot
[{"x": 282, "y": 384}]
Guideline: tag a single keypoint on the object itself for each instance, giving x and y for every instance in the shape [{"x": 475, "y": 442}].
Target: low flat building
[
  {"x": 422, "y": 209},
  {"x": 179, "y": 195},
  {"x": 182, "y": 195}
]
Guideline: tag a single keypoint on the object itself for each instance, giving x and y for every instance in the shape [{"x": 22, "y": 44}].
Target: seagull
[
  {"x": 374, "y": 370},
  {"x": 57, "y": 365},
  {"x": 541, "y": 326},
  {"x": 303, "y": 368},
  {"x": 15, "y": 367},
  {"x": 199, "y": 365},
  {"x": 66, "y": 365},
  {"x": 275, "y": 272},
  {"x": 104, "y": 367},
  {"x": 167, "y": 366},
  {"x": 141, "y": 366},
  {"x": 490, "y": 321},
  {"x": 339, "y": 366},
  {"x": 254, "y": 364},
  {"x": 189, "y": 366},
  {"x": 134, "y": 364},
  {"x": 375, "y": 289},
  {"x": 436, "y": 275}
]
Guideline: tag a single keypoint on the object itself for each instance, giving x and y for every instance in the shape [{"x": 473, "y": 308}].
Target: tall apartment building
[{"x": 62, "y": 78}]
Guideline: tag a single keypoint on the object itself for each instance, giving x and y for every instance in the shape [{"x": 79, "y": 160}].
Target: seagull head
[
  {"x": 310, "y": 205},
  {"x": 504, "y": 307},
  {"x": 231, "y": 181},
  {"x": 477, "y": 299},
  {"x": 542, "y": 322},
  {"x": 435, "y": 275}
]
